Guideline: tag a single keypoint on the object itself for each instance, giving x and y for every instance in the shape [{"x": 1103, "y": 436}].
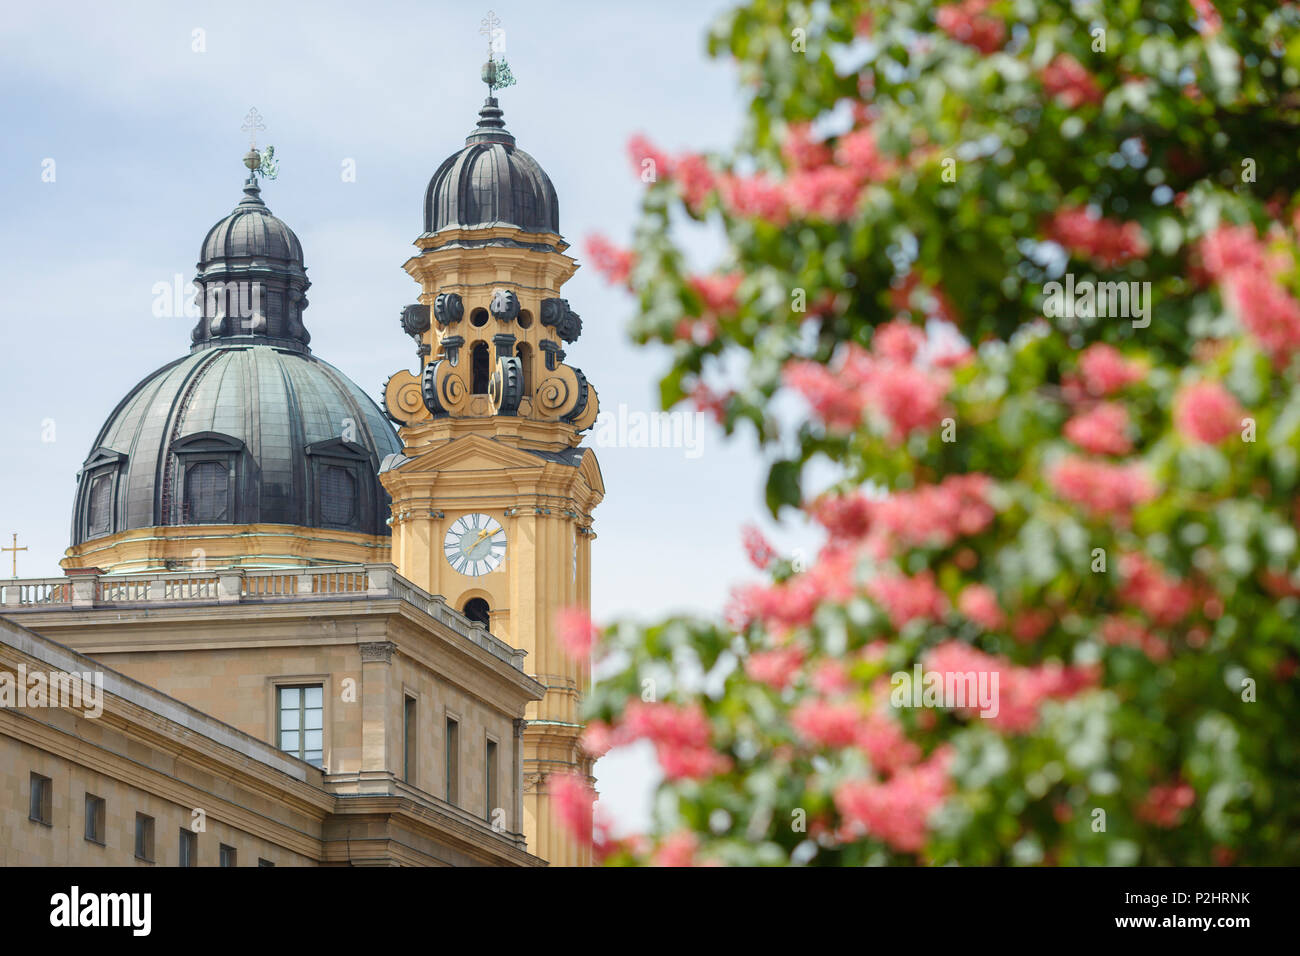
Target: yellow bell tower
[{"x": 492, "y": 495}]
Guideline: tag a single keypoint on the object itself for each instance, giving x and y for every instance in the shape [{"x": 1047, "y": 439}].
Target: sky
[{"x": 122, "y": 146}]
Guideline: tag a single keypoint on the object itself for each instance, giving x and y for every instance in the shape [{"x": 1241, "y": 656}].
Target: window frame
[
  {"x": 40, "y": 799},
  {"x": 278, "y": 686},
  {"x": 451, "y": 755},
  {"x": 227, "y": 855},
  {"x": 103, "y": 463},
  {"x": 96, "y": 812},
  {"x": 188, "y": 848},
  {"x": 202, "y": 448},
  {"x": 144, "y": 827}
]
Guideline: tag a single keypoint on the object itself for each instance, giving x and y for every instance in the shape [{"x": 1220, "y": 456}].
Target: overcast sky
[{"x": 143, "y": 132}]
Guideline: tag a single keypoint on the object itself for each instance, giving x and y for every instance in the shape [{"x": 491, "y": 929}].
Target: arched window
[
  {"x": 100, "y": 517},
  {"x": 479, "y": 369},
  {"x": 476, "y": 609},
  {"x": 525, "y": 356},
  {"x": 338, "y": 495},
  {"x": 207, "y": 493}
]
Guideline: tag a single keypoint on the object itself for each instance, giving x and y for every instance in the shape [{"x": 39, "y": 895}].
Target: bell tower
[{"x": 492, "y": 494}]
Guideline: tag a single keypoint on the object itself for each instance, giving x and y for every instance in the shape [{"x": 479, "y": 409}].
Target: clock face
[{"x": 475, "y": 544}]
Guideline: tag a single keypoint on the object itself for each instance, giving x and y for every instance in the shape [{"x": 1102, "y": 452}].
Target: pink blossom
[
  {"x": 885, "y": 743},
  {"x": 801, "y": 151},
  {"x": 677, "y": 849},
  {"x": 1164, "y": 804},
  {"x": 1250, "y": 275},
  {"x": 896, "y": 811},
  {"x": 933, "y": 515},
  {"x": 980, "y": 603},
  {"x": 1207, "y": 412},
  {"x": 898, "y": 342},
  {"x": 761, "y": 553},
  {"x": 837, "y": 403},
  {"x": 571, "y": 801},
  {"x": 776, "y": 668},
  {"x": 830, "y": 678},
  {"x": 1066, "y": 79},
  {"x": 1101, "y": 489},
  {"x": 680, "y": 735},
  {"x": 964, "y": 23},
  {"x": 710, "y": 402},
  {"x": 792, "y": 602},
  {"x": 613, "y": 263},
  {"x": 825, "y": 723},
  {"x": 754, "y": 197},
  {"x": 1122, "y": 632},
  {"x": 908, "y": 397},
  {"x": 717, "y": 291},
  {"x": 1209, "y": 21},
  {"x": 827, "y": 192},
  {"x": 695, "y": 178},
  {"x": 1107, "y": 242},
  {"x": 858, "y": 152},
  {"x": 907, "y": 599},
  {"x": 575, "y": 632},
  {"x": 599, "y": 738},
  {"x": 1021, "y": 690},
  {"x": 640, "y": 149},
  {"x": 1102, "y": 431},
  {"x": 1105, "y": 370},
  {"x": 1164, "y": 599}
]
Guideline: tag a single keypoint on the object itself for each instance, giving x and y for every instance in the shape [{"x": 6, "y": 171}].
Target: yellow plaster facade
[{"x": 524, "y": 470}]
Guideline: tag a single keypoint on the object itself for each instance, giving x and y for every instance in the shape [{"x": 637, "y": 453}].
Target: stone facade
[{"x": 189, "y": 723}]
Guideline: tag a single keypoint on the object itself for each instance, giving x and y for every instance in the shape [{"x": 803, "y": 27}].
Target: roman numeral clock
[{"x": 475, "y": 544}]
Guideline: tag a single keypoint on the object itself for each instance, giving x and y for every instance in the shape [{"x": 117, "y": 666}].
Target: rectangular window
[
  {"x": 491, "y": 781},
  {"x": 262, "y": 862},
  {"x": 41, "y": 808},
  {"x": 300, "y": 722},
  {"x": 453, "y": 761},
  {"x": 95, "y": 819},
  {"x": 189, "y": 848},
  {"x": 408, "y": 735},
  {"x": 227, "y": 855},
  {"x": 144, "y": 837}
]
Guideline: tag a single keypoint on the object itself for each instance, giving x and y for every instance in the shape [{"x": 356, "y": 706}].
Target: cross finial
[
  {"x": 15, "y": 549},
  {"x": 496, "y": 71},
  {"x": 252, "y": 126},
  {"x": 260, "y": 163}
]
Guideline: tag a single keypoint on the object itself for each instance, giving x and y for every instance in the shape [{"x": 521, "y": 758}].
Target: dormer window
[
  {"x": 338, "y": 495},
  {"x": 100, "y": 517},
  {"x": 208, "y": 465},
  {"x": 207, "y": 493},
  {"x": 99, "y": 480}
]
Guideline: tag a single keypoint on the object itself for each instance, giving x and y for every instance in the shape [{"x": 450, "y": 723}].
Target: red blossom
[
  {"x": 906, "y": 599},
  {"x": 896, "y": 811},
  {"x": 1164, "y": 804},
  {"x": 761, "y": 553},
  {"x": 1101, "y": 489},
  {"x": 979, "y": 603},
  {"x": 1107, "y": 242},
  {"x": 613, "y": 263},
  {"x": 1164, "y": 599},
  {"x": 776, "y": 668},
  {"x": 964, "y": 23},
  {"x": 1207, "y": 412},
  {"x": 1066, "y": 79},
  {"x": 575, "y": 632},
  {"x": 1105, "y": 370},
  {"x": 1102, "y": 431}
]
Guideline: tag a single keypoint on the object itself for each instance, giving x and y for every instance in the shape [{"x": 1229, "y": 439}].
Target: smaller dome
[
  {"x": 491, "y": 182},
  {"x": 251, "y": 232}
]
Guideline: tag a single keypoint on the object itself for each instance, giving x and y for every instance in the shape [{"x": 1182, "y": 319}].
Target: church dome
[
  {"x": 238, "y": 436},
  {"x": 491, "y": 182},
  {"x": 251, "y": 232},
  {"x": 250, "y": 428}
]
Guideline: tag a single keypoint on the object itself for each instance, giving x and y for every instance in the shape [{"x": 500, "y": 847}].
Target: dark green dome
[{"x": 238, "y": 435}]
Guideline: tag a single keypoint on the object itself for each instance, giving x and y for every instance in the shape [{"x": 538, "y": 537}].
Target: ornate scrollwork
[
  {"x": 505, "y": 305},
  {"x": 448, "y": 308},
  {"x": 506, "y": 389},
  {"x": 415, "y": 320},
  {"x": 442, "y": 389},
  {"x": 404, "y": 398},
  {"x": 556, "y": 314}
]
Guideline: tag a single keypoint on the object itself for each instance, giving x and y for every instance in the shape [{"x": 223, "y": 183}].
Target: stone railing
[{"x": 243, "y": 586}]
